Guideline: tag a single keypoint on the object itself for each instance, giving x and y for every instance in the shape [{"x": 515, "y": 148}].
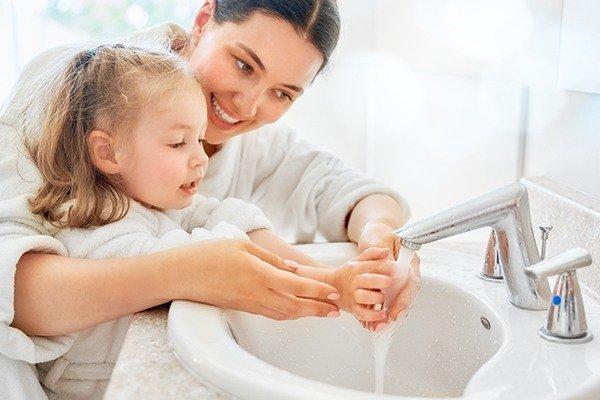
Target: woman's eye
[
  {"x": 177, "y": 145},
  {"x": 284, "y": 95},
  {"x": 243, "y": 66}
]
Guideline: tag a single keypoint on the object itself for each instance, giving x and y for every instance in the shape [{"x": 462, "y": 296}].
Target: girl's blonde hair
[{"x": 105, "y": 89}]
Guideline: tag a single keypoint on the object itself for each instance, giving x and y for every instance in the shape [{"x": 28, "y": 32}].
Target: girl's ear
[
  {"x": 101, "y": 146},
  {"x": 204, "y": 15}
]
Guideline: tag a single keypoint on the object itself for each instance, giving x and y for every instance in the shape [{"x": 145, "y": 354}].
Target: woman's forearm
[{"x": 56, "y": 295}]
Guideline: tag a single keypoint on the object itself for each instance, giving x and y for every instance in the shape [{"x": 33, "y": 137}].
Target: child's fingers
[
  {"x": 373, "y": 253},
  {"x": 372, "y": 281},
  {"x": 382, "y": 267},
  {"x": 370, "y": 297}
]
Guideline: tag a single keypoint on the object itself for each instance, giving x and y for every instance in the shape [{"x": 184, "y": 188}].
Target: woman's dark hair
[{"x": 317, "y": 20}]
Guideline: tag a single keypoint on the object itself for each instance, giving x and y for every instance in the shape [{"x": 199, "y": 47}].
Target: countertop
[{"x": 147, "y": 367}]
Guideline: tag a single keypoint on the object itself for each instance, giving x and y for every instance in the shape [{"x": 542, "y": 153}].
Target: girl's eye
[
  {"x": 284, "y": 95},
  {"x": 243, "y": 66},
  {"x": 177, "y": 145}
]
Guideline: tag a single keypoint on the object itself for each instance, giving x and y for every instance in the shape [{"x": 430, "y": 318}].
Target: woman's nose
[{"x": 246, "y": 103}]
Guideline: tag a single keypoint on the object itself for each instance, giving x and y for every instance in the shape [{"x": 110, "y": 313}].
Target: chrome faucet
[{"x": 506, "y": 210}]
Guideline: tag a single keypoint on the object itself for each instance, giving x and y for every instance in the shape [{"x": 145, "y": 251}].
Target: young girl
[{"x": 121, "y": 157}]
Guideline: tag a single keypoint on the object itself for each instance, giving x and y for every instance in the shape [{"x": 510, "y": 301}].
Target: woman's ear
[
  {"x": 204, "y": 15},
  {"x": 101, "y": 146}
]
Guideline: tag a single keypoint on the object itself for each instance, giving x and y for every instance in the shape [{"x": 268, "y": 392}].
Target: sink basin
[{"x": 462, "y": 339}]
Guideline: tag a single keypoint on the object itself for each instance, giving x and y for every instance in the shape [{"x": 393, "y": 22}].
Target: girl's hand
[
  {"x": 248, "y": 278},
  {"x": 359, "y": 281}
]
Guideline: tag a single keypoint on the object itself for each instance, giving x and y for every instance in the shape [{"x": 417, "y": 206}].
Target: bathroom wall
[
  {"x": 446, "y": 99},
  {"x": 442, "y": 99}
]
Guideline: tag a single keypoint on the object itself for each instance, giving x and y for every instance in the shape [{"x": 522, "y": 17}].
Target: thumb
[{"x": 373, "y": 254}]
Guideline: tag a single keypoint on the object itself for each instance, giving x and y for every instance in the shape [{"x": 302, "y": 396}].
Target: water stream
[{"x": 382, "y": 339}]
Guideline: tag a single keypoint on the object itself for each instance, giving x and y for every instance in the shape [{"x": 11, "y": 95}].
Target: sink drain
[{"x": 486, "y": 323}]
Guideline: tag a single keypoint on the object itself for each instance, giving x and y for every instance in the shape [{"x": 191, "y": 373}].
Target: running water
[{"x": 382, "y": 339}]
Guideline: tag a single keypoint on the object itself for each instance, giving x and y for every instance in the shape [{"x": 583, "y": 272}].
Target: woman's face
[{"x": 251, "y": 73}]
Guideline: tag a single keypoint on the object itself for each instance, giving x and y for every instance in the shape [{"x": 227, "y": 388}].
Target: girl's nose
[{"x": 200, "y": 158}]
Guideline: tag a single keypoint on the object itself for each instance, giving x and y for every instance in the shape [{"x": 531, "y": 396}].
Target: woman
[{"x": 254, "y": 62}]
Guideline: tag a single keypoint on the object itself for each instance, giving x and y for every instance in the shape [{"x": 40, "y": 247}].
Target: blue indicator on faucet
[{"x": 556, "y": 300}]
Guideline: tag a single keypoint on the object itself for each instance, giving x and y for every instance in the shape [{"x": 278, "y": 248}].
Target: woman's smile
[{"x": 221, "y": 113}]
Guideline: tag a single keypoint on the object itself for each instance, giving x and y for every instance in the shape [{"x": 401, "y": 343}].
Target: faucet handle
[
  {"x": 566, "y": 321},
  {"x": 565, "y": 262}
]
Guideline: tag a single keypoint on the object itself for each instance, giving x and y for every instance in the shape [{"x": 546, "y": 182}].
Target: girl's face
[
  {"x": 251, "y": 72},
  {"x": 163, "y": 160}
]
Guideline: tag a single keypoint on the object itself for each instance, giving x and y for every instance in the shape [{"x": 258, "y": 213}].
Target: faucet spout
[{"x": 506, "y": 211}]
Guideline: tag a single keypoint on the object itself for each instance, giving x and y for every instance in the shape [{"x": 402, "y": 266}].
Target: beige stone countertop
[{"x": 148, "y": 369}]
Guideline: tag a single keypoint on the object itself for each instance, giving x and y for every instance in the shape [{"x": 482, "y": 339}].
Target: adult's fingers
[
  {"x": 320, "y": 274},
  {"x": 368, "y": 314},
  {"x": 295, "y": 307},
  {"x": 271, "y": 258},
  {"x": 406, "y": 298},
  {"x": 284, "y": 282}
]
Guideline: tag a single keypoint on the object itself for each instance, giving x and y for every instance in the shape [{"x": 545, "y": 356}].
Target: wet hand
[
  {"x": 240, "y": 275},
  {"x": 359, "y": 282},
  {"x": 403, "y": 302}
]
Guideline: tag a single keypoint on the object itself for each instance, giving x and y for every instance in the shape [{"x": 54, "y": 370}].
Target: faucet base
[
  {"x": 543, "y": 332},
  {"x": 490, "y": 278}
]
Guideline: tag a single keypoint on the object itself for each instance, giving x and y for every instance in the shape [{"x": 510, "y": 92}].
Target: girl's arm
[{"x": 56, "y": 295}]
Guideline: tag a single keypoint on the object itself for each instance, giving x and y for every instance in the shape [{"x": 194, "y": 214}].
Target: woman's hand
[
  {"x": 359, "y": 281},
  {"x": 381, "y": 235},
  {"x": 373, "y": 220},
  {"x": 238, "y": 274},
  {"x": 400, "y": 306}
]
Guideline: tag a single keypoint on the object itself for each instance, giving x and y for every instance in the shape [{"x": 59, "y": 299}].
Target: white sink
[{"x": 462, "y": 339}]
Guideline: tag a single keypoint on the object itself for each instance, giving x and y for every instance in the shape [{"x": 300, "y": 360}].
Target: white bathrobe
[
  {"x": 88, "y": 357},
  {"x": 300, "y": 188}
]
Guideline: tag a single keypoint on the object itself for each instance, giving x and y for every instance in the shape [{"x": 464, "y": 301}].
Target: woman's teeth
[{"x": 221, "y": 113}]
